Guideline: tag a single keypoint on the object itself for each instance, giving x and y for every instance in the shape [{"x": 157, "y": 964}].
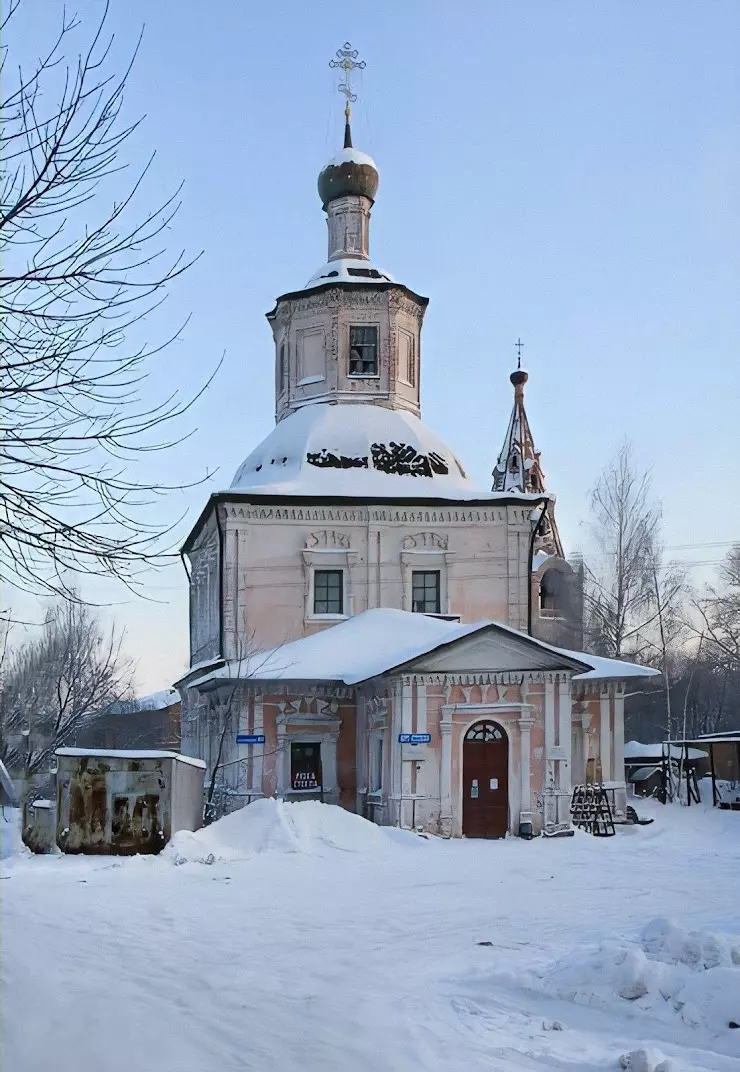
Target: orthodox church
[{"x": 367, "y": 627}]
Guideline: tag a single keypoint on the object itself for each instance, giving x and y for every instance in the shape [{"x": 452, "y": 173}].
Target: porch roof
[{"x": 378, "y": 641}]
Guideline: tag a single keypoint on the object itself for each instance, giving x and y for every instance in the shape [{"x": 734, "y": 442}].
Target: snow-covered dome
[
  {"x": 349, "y": 172},
  {"x": 363, "y": 451}
]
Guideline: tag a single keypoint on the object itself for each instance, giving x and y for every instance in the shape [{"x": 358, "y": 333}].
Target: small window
[
  {"x": 376, "y": 766},
  {"x": 305, "y": 765},
  {"x": 281, "y": 371},
  {"x": 328, "y": 592},
  {"x": 363, "y": 351},
  {"x": 425, "y": 591}
]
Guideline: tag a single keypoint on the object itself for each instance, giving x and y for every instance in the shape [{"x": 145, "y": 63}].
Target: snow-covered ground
[{"x": 300, "y": 937}]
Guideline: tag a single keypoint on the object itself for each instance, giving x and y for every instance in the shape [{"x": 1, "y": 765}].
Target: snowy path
[{"x": 351, "y": 961}]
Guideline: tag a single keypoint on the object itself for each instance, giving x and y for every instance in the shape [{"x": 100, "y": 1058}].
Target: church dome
[
  {"x": 362, "y": 451},
  {"x": 350, "y": 172}
]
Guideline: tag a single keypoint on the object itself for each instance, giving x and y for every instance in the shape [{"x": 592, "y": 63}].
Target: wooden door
[{"x": 485, "y": 781}]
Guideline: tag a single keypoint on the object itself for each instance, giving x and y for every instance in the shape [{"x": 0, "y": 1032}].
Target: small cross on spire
[
  {"x": 519, "y": 346},
  {"x": 346, "y": 60}
]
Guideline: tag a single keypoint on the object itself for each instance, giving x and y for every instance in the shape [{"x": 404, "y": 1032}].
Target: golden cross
[{"x": 346, "y": 60}]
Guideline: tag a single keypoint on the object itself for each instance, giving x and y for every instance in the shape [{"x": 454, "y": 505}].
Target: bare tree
[
  {"x": 630, "y": 594},
  {"x": 82, "y": 264},
  {"x": 56, "y": 684},
  {"x": 719, "y": 612}
]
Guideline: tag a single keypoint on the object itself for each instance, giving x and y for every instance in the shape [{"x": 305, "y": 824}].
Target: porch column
[
  {"x": 445, "y": 774},
  {"x": 396, "y": 763},
  {"x": 407, "y": 713},
  {"x": 282, "y": 767},
  {"x": 525, "y": 725},
  {"x": 620, "y": 796},
  {"x": 550, "y": 805},
  {"x": 565, "y": 740},
  {"x": 585, "y": 723},
  {"x": 605, "y": 735},
  {"x": 258, "y": 750},
  {"x": 329, "y": 777}
]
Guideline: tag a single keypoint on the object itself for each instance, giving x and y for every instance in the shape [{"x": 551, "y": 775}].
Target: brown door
[{"x": 485, "y": 781}]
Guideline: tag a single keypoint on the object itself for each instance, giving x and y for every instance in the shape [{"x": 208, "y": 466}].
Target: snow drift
[
  {"x": 669, "y": 972},
  {"x": 269, "y": 825}
]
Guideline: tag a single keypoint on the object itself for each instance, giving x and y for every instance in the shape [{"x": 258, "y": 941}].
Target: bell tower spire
[{"x": 518, "y": 466}]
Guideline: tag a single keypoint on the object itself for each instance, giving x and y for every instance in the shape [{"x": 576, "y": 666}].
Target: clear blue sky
[{"x": 567, "y": 172}]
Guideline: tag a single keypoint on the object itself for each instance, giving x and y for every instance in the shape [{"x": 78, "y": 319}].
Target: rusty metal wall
[{"x": 111, "y": 805}]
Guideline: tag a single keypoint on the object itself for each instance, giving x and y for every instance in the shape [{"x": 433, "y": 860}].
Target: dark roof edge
[
  {"x": 344, "y": 285},
  {"x": 342, "y": 500}
]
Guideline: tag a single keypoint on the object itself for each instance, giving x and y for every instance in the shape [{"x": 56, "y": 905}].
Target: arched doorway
[{"x": 485, "y": 781}]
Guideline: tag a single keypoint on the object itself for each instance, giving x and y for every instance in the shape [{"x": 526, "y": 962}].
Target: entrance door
[{"x": 485, "y": 781}]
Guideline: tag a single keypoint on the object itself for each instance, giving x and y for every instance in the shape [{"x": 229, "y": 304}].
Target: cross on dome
[{"x": 346, "y": 60}]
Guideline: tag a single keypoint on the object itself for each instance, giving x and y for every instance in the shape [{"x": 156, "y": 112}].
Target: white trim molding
[
  {"x": 337, "y": 557},
  {"x": 294, "y": 726}
]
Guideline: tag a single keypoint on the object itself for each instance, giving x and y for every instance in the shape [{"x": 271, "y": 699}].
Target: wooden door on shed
[{"x": 485, "y": 781}]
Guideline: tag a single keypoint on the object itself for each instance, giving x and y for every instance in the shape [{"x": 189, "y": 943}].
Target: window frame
[
  {"x": 333, "y": 570},
  {"x": 364, "y": 375},
  {"x": 553, "y": 595},
  {"x": 319, "y": 774},
  {"x": 437, "y": 588}
]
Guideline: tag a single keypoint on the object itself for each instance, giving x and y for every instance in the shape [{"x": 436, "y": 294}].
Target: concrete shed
[{"x": 125, "y": 802}]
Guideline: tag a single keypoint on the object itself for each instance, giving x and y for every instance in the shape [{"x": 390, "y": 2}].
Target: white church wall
[{"x": 272, "y": 553}]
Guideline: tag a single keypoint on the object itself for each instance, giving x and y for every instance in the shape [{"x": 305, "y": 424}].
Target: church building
[{"x": 367, "y": 627}]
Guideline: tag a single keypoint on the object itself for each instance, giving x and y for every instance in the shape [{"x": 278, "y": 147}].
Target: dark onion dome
[
  {"x": 350, "y": 172},
  {"x": 519, "y": 377}
]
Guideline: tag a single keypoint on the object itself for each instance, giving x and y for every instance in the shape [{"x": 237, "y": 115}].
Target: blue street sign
[
  {"x": 414, "y": 738},
  {"x": 250, "y": 738}
]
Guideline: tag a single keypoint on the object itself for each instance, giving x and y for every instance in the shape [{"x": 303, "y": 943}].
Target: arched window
[{"x": 553, "y": 594}]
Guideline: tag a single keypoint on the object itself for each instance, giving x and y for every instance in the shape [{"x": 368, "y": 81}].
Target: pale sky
[{"x": 567, "y": 172}]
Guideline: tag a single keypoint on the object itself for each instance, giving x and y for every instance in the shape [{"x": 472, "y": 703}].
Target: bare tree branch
[{"x": 81, "y": 267}]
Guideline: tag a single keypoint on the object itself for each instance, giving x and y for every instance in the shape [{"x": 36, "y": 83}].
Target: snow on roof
[
  {"x": 723, "y": 735},
  {"x": 129, "y": 753},
  {"x": 358, "y": 451},
  {"x": 351, "y": 156},
  {"x": 638, "y": 750},
  {"x": 155, "y": 701},
  {"x": 361, "y": 647},
  {"x": 348, "y": 270},
  {"x": 539, "y": 558},
  {"x": 601, "y": 669},
  {"x": 608, "y": 669},
  {"x": 642, "y": 774},
  {"x": 369, "y": 644}
]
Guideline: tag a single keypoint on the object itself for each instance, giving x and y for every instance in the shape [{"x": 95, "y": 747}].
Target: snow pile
[
  {"x": 270, "y": 825},
  {"x": 670, "y": 972},
  {"x": 647, "y": 1060}
]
